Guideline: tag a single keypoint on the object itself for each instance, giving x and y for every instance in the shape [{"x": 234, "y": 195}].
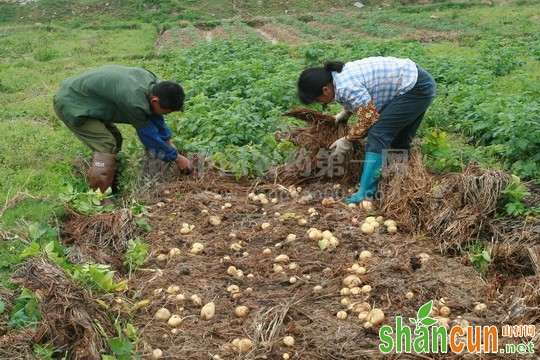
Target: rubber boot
[
  {"x": 102, "y": 173},
  {"x": 369, "y": 179}
]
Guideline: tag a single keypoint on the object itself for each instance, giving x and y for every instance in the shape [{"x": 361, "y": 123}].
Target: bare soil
[{"x": 401, "y": 263}]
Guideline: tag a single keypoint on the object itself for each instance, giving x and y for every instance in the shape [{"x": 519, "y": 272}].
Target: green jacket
[{"x": 112, "y": 93}]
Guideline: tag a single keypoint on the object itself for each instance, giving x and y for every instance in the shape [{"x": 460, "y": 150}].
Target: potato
[
  {"x": 281, "y": 259},
  {"x": 366, "y": 205},
  {"x": 157, "y": 354},
  {"x": 370, "y": 219},
  {"x": 341, "y": 315},
  {"x": 480, "y": 308},
  {"x": 208, "y": 311},
  {"x": 267, "y": 251},
  {"x": 317, "y": 288},
  {"x": 196, "y": 300},
  {"x": 366, "y": 289},
  {"x": 327, "y": 201},
  {"x": 315, "y": 234},
  {"x": 367, "y": 228},
  {"x": 334, "y": 242},
  {"x": 389, "y": 223},
  {"x": 290, "y": 237},
  {"x": 288, "y": 341},
  {"x": 359, "y": 307},
  {"x": 175, "y": 321},
  {"x": 365, "y": 255},
  {"x": 352, "y": 281},
  {"x": 241, "y": 311},
  {"x": 174, "y": 252},
  {"x": 265, "y": 225},
  {"x": 445, "y": 311},
  {"x": 163, "y": 314},
  {"x": 345, "y": 302},
  {"x": 356, "y": 290},
  {"x": 327, "y": 235},
  {"x": 376, "y": 316},
  {"x": 391, "y": 229},
  {"x": 409, "y": 295},
  {"x": 363, "y": 315},
  {"x": 243, "y": 344},
  {"x": 173, "y": 289},
  {"x": 196, "y": 248},
  {"x": 345, "y": 291},
  {"x": 162, "y": 257},
  {"x": 231, "y": 270},
  {"x": 235, "y": 246},
  {"x": 215, "y": 220},
  {"x": 361, "y": 270}
]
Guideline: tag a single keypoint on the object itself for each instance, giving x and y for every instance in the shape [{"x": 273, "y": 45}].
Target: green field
[{"x": 238, "y": 62}]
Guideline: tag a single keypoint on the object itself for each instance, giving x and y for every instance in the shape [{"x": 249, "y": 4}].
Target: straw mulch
[
  {"x": 16, "y": 345},
  {"x": 311, "y": 161},
  {"x": 100, "y": 238},
  {"x": 452, "y": 209},
  {"x": 71, "y": 315}
]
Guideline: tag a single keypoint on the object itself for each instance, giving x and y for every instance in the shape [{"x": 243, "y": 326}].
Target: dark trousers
[{"x": 400, "y": 119}]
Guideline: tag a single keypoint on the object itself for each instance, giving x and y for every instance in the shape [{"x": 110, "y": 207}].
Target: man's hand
[
  {"x": 341, "y": 147},
  {"x": 183, "y": 164},
  {"x": 342, "y": 117}
]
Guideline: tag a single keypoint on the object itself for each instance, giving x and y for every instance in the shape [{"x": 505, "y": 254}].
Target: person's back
[{"x": 112, "y": 93}]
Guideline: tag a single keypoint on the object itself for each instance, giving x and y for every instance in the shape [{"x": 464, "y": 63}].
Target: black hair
[
  {"x": 171, "y": 95},
  {"x": 312, "y": 80}
]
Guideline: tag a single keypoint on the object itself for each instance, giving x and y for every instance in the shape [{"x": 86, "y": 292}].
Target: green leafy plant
[
  {"x": 513, "y": 196},
  {"x": 441, "y": 155},
  {"x": 26, "y": 312},
  {"x": 98, "y": 277},
  {"x": 45, "y": 241},
  {"x": 136, "y": 254},
  {"x": 87, "y": 203},
  {"x": 123, "y": 345},
  {"x": 480, "y": 255},
  {"x": 46, "y": 352}
]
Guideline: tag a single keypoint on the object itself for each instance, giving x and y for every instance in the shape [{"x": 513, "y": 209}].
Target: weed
[
  {"x": 26, "y": 312},
  {"x": 512, "y": 199},
  {"x": 480, "y": 255},
  {"x": 87, "y": 203},
  {"x": 136, "y": 254}
]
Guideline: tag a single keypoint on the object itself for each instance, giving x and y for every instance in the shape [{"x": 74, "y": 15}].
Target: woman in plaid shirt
[{"x": 390, "y": 97}]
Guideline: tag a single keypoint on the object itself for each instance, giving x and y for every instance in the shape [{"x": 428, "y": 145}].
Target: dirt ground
[{"x": 302, "y": 299}]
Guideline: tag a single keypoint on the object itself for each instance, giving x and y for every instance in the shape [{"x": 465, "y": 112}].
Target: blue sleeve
[
  {"x": 153, "y": 137},
  {"x": 164, "y": 132}
]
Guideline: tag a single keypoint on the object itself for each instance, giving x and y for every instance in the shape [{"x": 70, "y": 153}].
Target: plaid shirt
[{"x": 379, "y": 79}]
